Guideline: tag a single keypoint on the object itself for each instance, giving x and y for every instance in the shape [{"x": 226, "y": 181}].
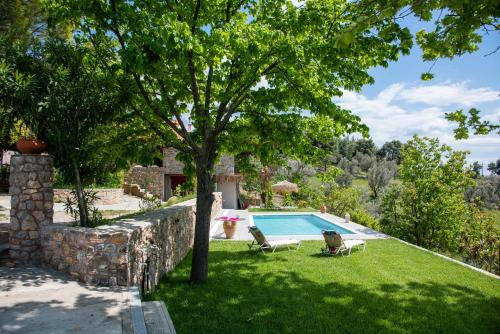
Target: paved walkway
[
  {"x": 44, "y": 301},
  {"x": 129, "y": 203},
  {"x": 217, "y": 232}
]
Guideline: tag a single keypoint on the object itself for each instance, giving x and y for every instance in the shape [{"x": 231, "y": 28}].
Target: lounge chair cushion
[
  {"x": 283, "y": 242},
  {"x": 352, "y": 243}
]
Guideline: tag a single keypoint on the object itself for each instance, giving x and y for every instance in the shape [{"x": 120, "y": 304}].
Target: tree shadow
[
  {"x": 43, "y": 301},
  {"x": 246, "y": 295}
]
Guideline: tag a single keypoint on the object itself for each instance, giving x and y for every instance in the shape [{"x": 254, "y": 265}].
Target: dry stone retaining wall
[
  {"x": 134, "y": 251},
  {"x": 31, "y": 205}
]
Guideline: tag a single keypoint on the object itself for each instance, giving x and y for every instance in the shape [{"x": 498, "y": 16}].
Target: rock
[{"x": 29, "y": 223}]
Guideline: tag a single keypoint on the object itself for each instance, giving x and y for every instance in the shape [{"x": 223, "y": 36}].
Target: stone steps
[
  {"x": 146, "y": 317},
  {"x": 157, "y": 319}
]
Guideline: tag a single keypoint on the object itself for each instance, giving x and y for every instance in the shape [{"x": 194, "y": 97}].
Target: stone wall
[
  {"x": 134, "y": 251},
  {"x": 106, "y": 196},
  {"x": 174, "y": 167},
  {"x": 31, "y": 205},
  {"x": 171, "y": 165},
  {"x": 225, "y": 166},
  {"x": 149, "y": 178}
]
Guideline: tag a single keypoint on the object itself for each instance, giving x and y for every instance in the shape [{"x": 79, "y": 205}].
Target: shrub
[
  {"x": 362, "y": 217},
  {"x": 480, "y": 240}
]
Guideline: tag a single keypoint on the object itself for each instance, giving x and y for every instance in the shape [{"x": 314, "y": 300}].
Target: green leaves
[
  {"x": 427, "y": 76},
  {"x": 471, "y": 122},
  {"x": 429, "y": 207}
]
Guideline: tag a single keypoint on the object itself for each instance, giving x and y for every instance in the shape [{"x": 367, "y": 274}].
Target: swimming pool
[{"x": 295, "y": 225}]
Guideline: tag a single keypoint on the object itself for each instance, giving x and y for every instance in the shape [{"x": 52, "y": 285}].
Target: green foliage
[
  {"x": 494, "y": 167},
  {"x": 391, "y": 151},
  {"x": 150, "y": 203},
  {"x": 362, "y": 217},
  {"x": 427, "y": 76},
  {"x": 287, "y": 200},
  {"x": 260, "y": 62},
  {"x": 428, "y": 209},
  {"x": 89, "y": 198},
  {"x": 470, "y": 123},
  {"x": 479, "y": 241},
  {"x": 330, "y": 175}
]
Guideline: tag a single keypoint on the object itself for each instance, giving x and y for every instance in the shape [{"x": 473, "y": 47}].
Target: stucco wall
[{"x": 134, "y": 251}]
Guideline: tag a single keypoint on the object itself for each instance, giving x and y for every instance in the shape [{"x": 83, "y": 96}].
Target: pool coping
[{"x": 342, "y": 225}]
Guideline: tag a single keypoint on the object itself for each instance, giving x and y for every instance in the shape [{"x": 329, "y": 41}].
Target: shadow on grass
[{"x": 251, "y": 293}]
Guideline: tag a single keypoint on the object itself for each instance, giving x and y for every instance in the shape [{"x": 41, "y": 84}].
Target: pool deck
[{"x": 217, "y": 232}]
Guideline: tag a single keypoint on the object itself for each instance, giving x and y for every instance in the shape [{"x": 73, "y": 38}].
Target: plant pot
[
  {"x": 31, "y": 146},
  {"x": 322, "y": 209},
  {"x": 229, "y": 228}
]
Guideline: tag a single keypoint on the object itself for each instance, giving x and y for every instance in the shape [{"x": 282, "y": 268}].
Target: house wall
[
  {"x": 149, "y": 178},
  {"x": 229, "y": 194},
  {"x": 171, "y": 165}
]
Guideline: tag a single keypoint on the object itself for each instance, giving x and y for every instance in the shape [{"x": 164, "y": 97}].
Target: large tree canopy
[{"x": 220, "y": 61}]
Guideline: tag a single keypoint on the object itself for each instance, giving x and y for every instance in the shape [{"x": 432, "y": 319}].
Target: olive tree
[{"x": 380, "y": 174}]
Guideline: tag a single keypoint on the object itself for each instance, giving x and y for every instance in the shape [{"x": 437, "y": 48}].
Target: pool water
[{"x": 295, "y": 225}]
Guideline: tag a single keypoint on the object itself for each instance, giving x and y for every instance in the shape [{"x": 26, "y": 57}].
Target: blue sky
[{"x": 399, "y": 104}]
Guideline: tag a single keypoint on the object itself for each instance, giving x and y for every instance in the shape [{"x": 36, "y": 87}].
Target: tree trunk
[
  {"x": 204, "y": 200},
  {"x": 84, "y": 217}
]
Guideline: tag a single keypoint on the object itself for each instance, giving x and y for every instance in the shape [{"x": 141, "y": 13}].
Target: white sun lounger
[
  {"x": 261, "y": 241},
  {"x": 335, "y": 241}
]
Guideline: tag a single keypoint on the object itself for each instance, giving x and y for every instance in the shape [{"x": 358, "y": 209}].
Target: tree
[
  {"x": 428, "y": 209},
  {"x": 494, "y": 167},
  {"x": 391, "y": 151},
  {"x": 220, "y": 60},
  {"x": 379, "y": 176},
  {"x": 477, "y": 169},
  {"x": 365, "y": 146},
  {"x": 80, "y": 98}
]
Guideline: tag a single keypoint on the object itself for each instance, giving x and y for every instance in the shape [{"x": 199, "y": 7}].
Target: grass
[
  {"x": 390, "y": 288},
  {"x": 281, "y": 210}
]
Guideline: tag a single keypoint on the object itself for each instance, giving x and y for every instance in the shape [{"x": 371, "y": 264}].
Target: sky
[{"x": 399, "y": 104}]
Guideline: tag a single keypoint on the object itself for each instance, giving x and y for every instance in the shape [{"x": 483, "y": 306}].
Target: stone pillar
[{"x": 32, "y": 205}]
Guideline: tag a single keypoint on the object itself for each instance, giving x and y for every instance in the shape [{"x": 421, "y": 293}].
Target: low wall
[
  {"x": 106, "y": 196},
  {"x": 134, "y": 251}
]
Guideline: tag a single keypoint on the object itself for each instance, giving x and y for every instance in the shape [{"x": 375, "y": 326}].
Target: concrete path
[
  {"x": 217, "y": 231},
  {"x": 44, "y": 301},
  {"x": 129, "y": 204}
]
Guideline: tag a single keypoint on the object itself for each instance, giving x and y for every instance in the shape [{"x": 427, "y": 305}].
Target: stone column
[{"x": 32, "y": 205}]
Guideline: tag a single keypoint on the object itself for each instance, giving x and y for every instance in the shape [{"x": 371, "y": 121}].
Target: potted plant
[
  {"x": 30, "y": 143},
  {"x": 322, "y": 209}
]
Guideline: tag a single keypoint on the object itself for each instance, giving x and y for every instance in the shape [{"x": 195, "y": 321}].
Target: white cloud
[
  {"x": 446, "y": 94},
  {"x": 400, "y": 111}
]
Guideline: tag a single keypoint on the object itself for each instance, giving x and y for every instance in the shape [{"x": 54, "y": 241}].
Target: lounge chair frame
[
  {"x": 271, "y": 245},
  {"x": 340, "y": 244}
]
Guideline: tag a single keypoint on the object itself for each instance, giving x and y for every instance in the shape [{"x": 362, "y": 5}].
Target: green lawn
[{"x": 390, "y": 288}]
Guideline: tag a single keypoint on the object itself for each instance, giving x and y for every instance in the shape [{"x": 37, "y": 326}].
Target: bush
[
  {"x": 480, "y": 240},
  {"x": 362, "y": 217},
  {"x": 287, "y": 200}
]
